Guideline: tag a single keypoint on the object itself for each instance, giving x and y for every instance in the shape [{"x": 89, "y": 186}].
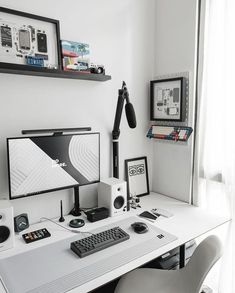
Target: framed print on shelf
[
  {"x": 29, "y": 41},
  {"x": 137, "y": 177},
  {"x": 76, "y": 56},
  {"x": 167, "y": 99}
]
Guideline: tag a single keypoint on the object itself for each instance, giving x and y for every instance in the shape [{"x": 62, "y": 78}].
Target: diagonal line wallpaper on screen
[
  {"x": 45, "y": 163},
  {"x": 85, "y": 159}
]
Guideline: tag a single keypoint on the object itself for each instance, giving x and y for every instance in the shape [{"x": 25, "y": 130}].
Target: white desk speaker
[
  {"x": 112, "y": 194},
  {"x": 7, "y": 236}
]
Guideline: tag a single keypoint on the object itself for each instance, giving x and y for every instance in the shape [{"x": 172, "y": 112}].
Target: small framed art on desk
[{"x": 137, "y": 176}]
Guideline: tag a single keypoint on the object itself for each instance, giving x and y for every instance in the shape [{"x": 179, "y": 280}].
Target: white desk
[{"x": 188, "y": 223}]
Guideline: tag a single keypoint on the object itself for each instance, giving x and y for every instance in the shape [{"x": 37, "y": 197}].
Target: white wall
[
  {"x": 120, "y": 34},
  {"x": 175, "y": 45}
]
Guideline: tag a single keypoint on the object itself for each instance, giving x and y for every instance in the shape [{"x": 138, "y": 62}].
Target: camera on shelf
[{"x": 97, "y": 69}]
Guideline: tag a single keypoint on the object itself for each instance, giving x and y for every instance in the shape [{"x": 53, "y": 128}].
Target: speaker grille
[
  {"x": 118, "y": 202},
  {"x": 4, "y": 233}
]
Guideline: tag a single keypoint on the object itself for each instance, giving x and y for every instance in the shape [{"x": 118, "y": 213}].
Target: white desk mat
[{"x": 55, "y": 268}]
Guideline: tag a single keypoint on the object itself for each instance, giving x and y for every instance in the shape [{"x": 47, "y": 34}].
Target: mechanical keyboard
[{"x": 99, "y": 241}]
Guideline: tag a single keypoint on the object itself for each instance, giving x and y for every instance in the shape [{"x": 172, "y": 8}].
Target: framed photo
[
  {"x": 137, "y": 176},
  {"x": 28, "y": 40},
  {"x": 167, "y": 99},
  {"x": 76, "y": 56}
]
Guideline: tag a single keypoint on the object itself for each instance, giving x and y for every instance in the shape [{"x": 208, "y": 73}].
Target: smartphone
[
  {"x": 42, "y": 42},
  {"x": 148, "y": 215},
  {"x": 6, "y": 37},
  {"x": 24, "y": 39}
]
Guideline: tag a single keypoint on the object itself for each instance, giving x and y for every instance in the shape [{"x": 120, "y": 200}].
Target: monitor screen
[{"x": 40, "y": 164}]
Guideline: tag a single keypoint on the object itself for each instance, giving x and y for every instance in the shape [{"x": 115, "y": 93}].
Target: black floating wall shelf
[{"x": 35, "y": 71}]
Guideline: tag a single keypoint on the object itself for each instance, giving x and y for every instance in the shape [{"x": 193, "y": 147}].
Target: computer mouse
[
  {"x": 140, "y": 227},
  {"x": 76, "y": 223}
]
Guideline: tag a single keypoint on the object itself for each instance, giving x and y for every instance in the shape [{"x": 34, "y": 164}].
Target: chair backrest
[{"x": 204, "y": 257}]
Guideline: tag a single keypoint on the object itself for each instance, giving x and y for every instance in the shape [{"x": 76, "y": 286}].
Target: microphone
[
  {"x": 130, "y": 115},
  {"x": 129, "y": 109},
  {"x": 123, "y": 97}
]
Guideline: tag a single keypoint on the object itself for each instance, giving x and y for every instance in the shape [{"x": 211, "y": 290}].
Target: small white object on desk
[{"x": 162, "y": 212}]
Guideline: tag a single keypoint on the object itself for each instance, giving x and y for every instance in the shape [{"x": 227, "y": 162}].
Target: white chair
[{"x": 186, "y": 280}]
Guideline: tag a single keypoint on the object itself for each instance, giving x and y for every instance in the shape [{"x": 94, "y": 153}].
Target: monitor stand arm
[{"x": 76, "y": 210}]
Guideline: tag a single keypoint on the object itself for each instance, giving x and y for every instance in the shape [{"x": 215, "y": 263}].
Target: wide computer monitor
[{"x": 40, "y": 164}]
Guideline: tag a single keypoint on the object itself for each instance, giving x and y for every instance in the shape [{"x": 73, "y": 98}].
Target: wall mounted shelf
[
  {"x": 35, "y": 71},
  {"x": 175, "y": 133}
]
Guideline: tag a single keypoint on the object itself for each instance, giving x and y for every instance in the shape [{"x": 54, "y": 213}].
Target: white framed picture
[{"x": 137, "y": 176}]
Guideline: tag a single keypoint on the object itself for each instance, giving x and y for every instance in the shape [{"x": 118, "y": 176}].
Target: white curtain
[{"x": 214, "y": 172}]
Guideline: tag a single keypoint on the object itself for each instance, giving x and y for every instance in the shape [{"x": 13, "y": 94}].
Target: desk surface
[{"x": 188, "y": 223}]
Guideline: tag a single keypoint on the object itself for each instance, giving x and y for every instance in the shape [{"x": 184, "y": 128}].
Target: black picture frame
[
  {"x": 135, "y": 184},
  {"x": 24, "y": 67},
  {"x": 167, "y": 99}
]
